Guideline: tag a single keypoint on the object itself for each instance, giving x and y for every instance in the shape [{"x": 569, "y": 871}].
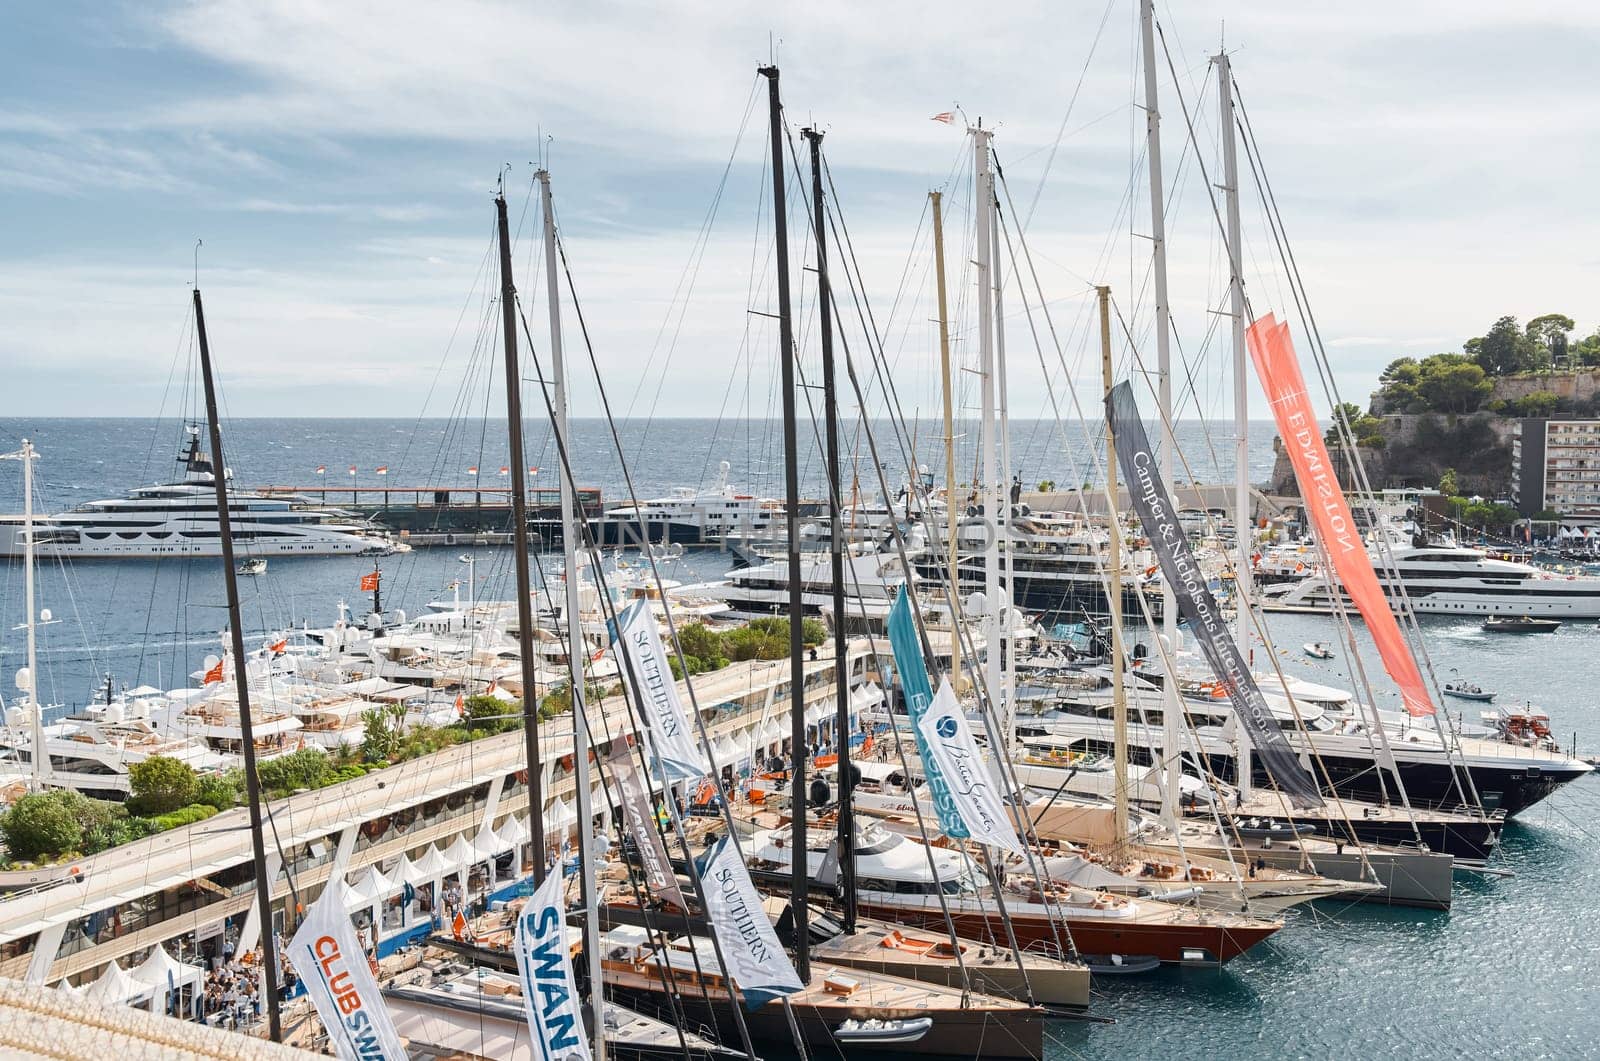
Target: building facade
[{"x": 1555, "y": 464}]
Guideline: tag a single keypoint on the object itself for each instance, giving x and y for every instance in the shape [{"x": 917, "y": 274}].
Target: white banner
[
  {"x": 549, "y": 992},
  {"x": 978, "y": 800},
  {"x": 331, "y": 964},
  {"x": 756, "y": 960},
  {"x": 672, "y": 740}
]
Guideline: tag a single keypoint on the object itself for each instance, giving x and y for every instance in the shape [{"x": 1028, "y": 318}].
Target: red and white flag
[
  {"x": 504, "y": 470},
  {"x": 472, "y": 470},
  {"x": 322, "y": 469},
  {"x": 945, "y": 117},
  {"x": 214, "y": 675},
  {"x": 382, "y": 469},
  {"x": 533, "y": 471},
  {"x": 278, "y": 648},
  {"x": 352, "y": 469}
]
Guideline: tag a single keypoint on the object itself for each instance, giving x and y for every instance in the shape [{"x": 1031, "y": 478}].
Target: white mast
[
  {"x": 1242, "y": 531},
  {"x": 30, "y": 685},
  {"x": 992, "y": 494},
  {"x": 1172, "y": 711},
  {"x": 1006, "y": 712},
  {"x": 577, "y": 654}
]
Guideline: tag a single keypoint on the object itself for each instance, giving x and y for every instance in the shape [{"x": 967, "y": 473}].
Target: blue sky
[{"x": 1433, "y": 161}]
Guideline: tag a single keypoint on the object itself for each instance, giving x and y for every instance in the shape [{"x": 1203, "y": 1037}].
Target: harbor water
[{"x": 1509, "y": 971}]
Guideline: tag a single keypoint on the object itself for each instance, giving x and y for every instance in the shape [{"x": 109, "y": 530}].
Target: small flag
[
  {"x": 369, "y": 583},
  {"x": 214, "y": 675},
  {"x": 322, "y": 469},
  {"x": 461, "y": 703},
  {"x": 946, "y": 117},
  {"x": 352, "y": 469},
  {"x": 494, "y": 683},
  {"x": 382, "y": 469},
  {"x": 504, "y": 470},
  {"x": 280, "y": 647},
  {"x": 597, "y": 656},
  {"x": 533, "y": 471},
  {"x": 472, "y": 470}
]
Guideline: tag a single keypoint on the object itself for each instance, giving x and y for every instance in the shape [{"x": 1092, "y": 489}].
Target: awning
[
  {"x": 725, "y": 752},
  {"x": 865, "y": 696},
  {"x": 488, "y": 843}
]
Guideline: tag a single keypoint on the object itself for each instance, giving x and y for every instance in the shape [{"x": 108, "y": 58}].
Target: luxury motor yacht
[{"x": 179, "y": 520}]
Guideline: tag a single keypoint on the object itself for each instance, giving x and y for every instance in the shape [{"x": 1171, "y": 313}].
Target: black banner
[
  {"x": 1195, "y": 602},
  {"x": 640, "y": 825}
]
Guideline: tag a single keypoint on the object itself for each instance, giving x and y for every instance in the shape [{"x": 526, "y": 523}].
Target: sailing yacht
[{"x": 179, "y": 520}]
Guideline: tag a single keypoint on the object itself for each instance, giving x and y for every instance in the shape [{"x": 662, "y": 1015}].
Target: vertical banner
[
  {"x": 549, "y": 993},
  {"x": 1195, "y": 602},
  {"x": 331, "y": 964},
  {"x": 756, "y": 960},
  {"x": 913, "y": 671},
  {"x": 944, "y": 732},
  {"x": 641, "y": 655},
  {"x": 1272, "y": 350},
  {"x": 640, "y": 825}
]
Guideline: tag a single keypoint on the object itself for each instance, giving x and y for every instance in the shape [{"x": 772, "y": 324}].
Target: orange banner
[{"x": 1272, "y": 350}]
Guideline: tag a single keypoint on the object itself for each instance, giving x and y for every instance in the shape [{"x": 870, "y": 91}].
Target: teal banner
[{"x": 918, "y": 690}]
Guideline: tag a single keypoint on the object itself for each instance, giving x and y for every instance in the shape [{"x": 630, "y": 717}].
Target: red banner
[
  {"x": 369, "y": 583},
  {"x": 1272, "y": 350}
]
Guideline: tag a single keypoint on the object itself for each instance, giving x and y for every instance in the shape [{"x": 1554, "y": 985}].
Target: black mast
[
  {"x": 841, "y": 675},
  {"x": 252, "y": 783},
  {"x": 791, "y": 479},
  {"x": 519, "y": 533}
]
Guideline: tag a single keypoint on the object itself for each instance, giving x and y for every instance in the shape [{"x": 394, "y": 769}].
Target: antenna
[{"x": 197, "y": 261}]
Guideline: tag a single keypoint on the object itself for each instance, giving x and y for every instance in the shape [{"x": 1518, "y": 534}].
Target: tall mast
[
  {"x": 1119, "y": 697},
  {"x": 577, "y": 653},
  {"x": 951, "y": 515},
  {"x": 841, "y": 640},
  {"x": 1242, "y": 575},
  {"x": 1004, "y": 700},
  {"x": 1171, "y": 714},
  {"x": 991, "y": 493},
  {"x": 519, "y": 539},
  {"x": 41, "y": 759},
  {"x": 791, "y": 478},
  {"x": 241, "y": 681}
]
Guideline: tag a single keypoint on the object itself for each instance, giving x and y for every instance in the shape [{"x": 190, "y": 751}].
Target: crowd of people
[{"x": 231, "y": 997}]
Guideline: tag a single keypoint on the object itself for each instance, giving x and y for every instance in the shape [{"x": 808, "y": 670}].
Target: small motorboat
[
  {"x": 256, "y": 565},
  {"x": 1120, "y": 964},
  {"x": 1521, "y": 625},
  {"x": 907, "y": 1030},
  {"x": 1318, "y": 650},
  {"x": 1467, "y": 691}
]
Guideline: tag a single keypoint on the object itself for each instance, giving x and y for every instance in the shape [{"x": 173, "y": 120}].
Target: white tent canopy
[
  {"x": 162, "y": 971},
  {"x": 371, "y": 888},
  {"x": 114, "y": 986},
  {"x": 558, "y": 814},
  {"x": 514, "y": 831},
  {"x": 488, "y": 843},
  {"x": 725, "y": 753},
  {"x": 432, "y": 864},
  {"x": 865, "y": 696},
  {"x": 459, "y": 855}
]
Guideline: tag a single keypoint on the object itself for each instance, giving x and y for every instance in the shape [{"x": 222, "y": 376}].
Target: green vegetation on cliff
[{"x": 1457, "y": 384}]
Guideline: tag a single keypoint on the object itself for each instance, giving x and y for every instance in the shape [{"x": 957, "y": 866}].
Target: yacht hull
[{"x": 1197, "y": 940}]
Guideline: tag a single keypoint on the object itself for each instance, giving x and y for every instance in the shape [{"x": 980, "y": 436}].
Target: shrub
[
  {"x": 41, "y": 825},
  {"x": 219, "y": 790},
  {"x": 306, "y": 768},
  {"x": 161, "y": 784},
  {"x": 194, "y": 812}
]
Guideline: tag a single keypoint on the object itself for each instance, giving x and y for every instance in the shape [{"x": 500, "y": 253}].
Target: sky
[{"x": 1432, "y": 163}]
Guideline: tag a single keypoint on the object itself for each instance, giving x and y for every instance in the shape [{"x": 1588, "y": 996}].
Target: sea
[{"x": 1510, "y": 971}]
